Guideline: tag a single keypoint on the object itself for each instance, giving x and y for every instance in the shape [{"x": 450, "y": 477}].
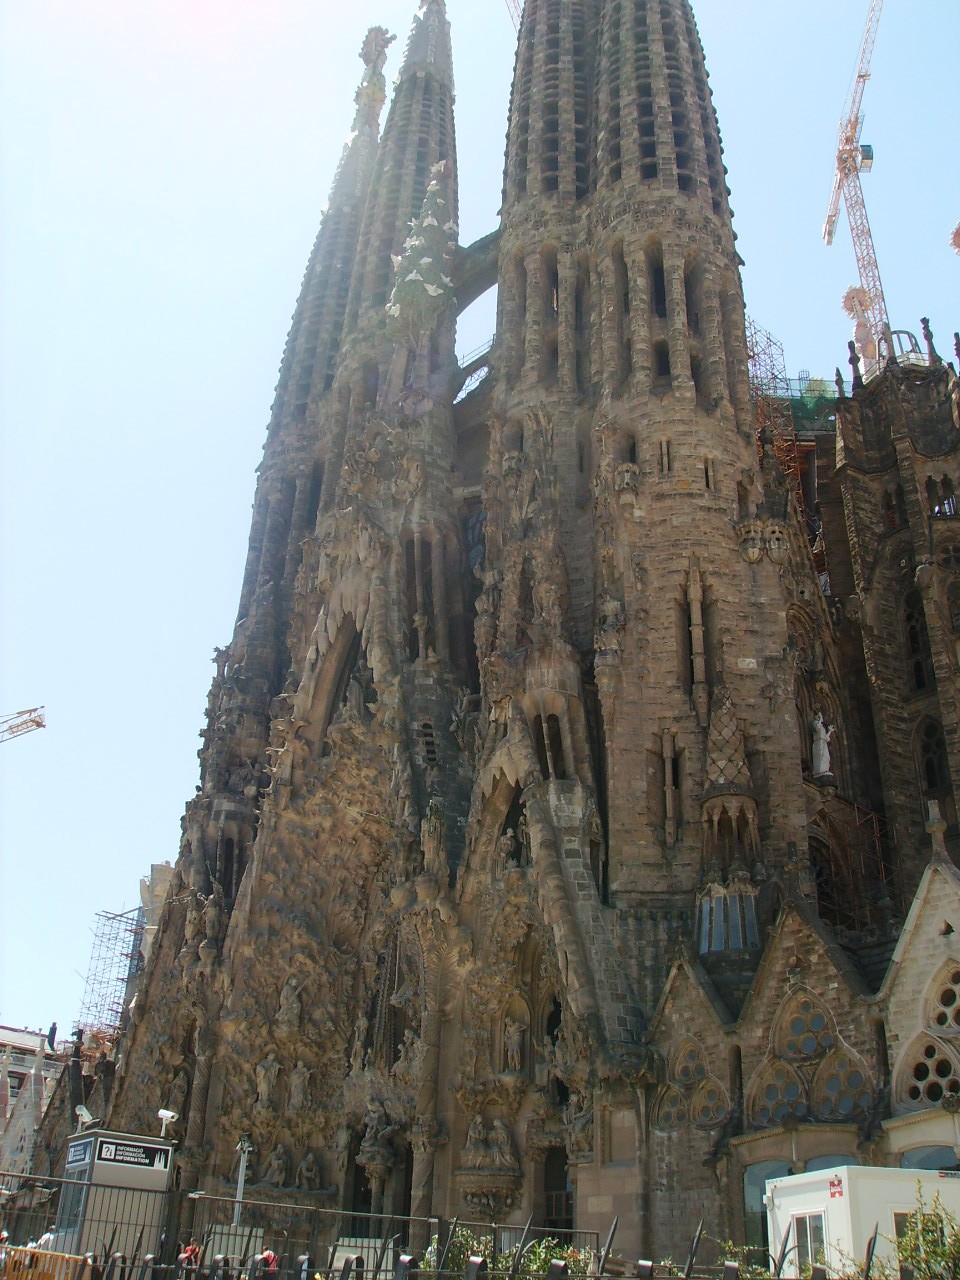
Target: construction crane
[
  {"x": 22, "y": 722},
  {"x": 853, "y": 158},
  {"x": 516, "y": 12}
]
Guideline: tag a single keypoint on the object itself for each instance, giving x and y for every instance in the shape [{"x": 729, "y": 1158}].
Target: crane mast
[
  {"x": 516, "y": 12},
  {"x": 853, "y": 158}
]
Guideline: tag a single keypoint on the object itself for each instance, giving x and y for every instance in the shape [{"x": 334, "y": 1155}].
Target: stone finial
[
  {"x": 855, "y": 365},
  {"x": 956, "y": 347},
  {"x": 932, "y": 353},
  {"x": 838, "y": 379}
]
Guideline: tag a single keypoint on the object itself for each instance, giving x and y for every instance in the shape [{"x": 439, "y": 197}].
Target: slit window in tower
[
  {"x": 917, "y": 639},
  {"x": 699, "y": 375},
  {"x": 661, "y": 363},
  {"x": 541, "y": 746},
  {"x": 410, "y": 564},
  {"x": 666, "y": 462},
  {"x": 371, "y": 383},
  {"x": 581, "y": 324},
  {"x": 425, "y": 570},
  {"x": 657, "y": 280},
  {"x": 555, "y": 743},
  {"x": 693, "y": 296},
  {"x": 551, "y": 284},
  {"x": 227, "y": 873},
  {"x": 730, "y": 322},
  {"x": 621, "y": 284}
]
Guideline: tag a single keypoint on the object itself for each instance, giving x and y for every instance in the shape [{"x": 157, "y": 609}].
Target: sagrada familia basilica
[{"x": 577, "y": 817}]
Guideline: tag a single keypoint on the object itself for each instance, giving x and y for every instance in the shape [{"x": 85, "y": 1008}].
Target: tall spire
[
  {"x": 314, "y": 339},
  {"x": 419, "y": 133},
  {"x": 428, "y": 48}
]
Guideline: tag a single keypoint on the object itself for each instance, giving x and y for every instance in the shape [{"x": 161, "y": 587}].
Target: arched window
[
  {"x": 917, "y": 643},
  {"x": 934, "y": 768},
  {"x": 755, "y": 1178},
  {"x": 929, "y": 1158}
]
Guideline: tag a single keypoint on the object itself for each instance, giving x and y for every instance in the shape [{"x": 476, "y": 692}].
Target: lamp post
[{"x": 244, "y": 1146}]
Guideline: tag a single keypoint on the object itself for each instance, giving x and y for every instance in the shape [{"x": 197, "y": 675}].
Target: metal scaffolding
[{"x": 115, "y": 959}]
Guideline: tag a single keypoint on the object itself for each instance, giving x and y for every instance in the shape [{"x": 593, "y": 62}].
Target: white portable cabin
[{"x": 829, "y": 1216}]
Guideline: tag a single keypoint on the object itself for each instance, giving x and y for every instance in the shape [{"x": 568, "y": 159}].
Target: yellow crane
[
  {"x": 854, "y": 158},
  {"x": 22, "y": 722}
]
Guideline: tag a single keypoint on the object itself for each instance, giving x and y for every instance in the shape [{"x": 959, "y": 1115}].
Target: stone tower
[{"x": 537, "y": 760}]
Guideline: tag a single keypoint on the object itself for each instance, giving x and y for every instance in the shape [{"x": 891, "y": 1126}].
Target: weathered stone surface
[{"x": 515, "y": 862}]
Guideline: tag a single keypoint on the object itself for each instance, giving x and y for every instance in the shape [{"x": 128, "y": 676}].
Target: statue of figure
[
  {"x": 275, "y": 1173},
  {"x": 475, "y": 1148},
  {"x": 290, "y": 1008},
  {"x": 579, "y": 1119},
  {"x": 506, "y": 850},
  {"x": 523, "y": 831},
  {"x": 300, "y": 1078},
  {"x": 213, "y": 913},
  {"x": 356, "y": 1055},
  {"x": 374, "y": 51},
  {"x": 513, "y": 1044},
  {"x": 307, "y": 1177},
  {"x": 354, "y": 709},
  {"x": 501, "y": 1146},
  {"x": 267, "y": 1072},
  {"x": 822, "y": 733},
  {"x": 376, "y": 1139},
  {"x": 432, "y": 839},
  {"x": 193, "y": 922}
]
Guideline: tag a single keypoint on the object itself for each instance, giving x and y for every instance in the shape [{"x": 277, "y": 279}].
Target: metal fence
[
  {"x": 139, "y": 1235},
  {"x": 149, "y": 1235}
]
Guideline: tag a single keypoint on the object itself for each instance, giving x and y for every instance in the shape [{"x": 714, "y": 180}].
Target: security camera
[
  {"x": 82, "y": 1113},
  {"x": 166, "y": 1117}
]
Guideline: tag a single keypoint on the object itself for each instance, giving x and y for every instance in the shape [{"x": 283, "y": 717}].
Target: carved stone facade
[{"x": 537, "y": 864}]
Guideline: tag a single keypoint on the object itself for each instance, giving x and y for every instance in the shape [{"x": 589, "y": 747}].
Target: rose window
[
  {"x": 708, "y": 1108},
  {"x": 689, "y": 1069},
  {"x": 806, "y": 1032},
  {"x": 933, "y": 1076},
  {"x": 779, "y": 1097},
  {"x": 841, "y": 1088},
  {"x": 672, "y": 1111}
]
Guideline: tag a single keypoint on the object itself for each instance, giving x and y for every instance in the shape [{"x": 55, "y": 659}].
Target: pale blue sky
[{"x": 163, "y": 168}]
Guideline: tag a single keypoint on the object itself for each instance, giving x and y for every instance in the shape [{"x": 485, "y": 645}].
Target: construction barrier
[{"x": 25, "y": 1263}]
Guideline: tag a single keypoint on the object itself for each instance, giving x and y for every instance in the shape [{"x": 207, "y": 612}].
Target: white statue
[{"x": 822, "y": 733}]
